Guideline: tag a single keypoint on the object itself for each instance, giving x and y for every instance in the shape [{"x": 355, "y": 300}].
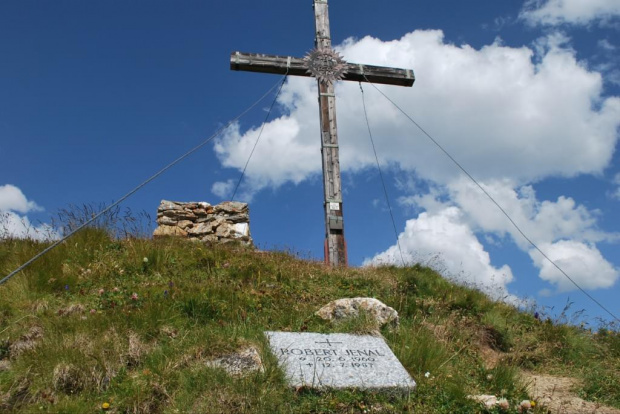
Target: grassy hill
[{"x": 131, "y": 322}]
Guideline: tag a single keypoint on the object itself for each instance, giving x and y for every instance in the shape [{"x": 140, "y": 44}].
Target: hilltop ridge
[{"x": 127, "y": 326}]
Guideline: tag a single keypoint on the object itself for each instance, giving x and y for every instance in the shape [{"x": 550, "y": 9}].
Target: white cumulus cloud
[
  {"x": 13, "y": 225},
  {"x": 445, "y": 242},
  {"x": 542, "y": 221},
  {"x": 579, "y": 12},
  {"x": 582, "y": 262},
  {"x": 501, "y": 111},
  {"x": 13, "y": 199},
  {"x": 13, "y": 220},
  {"x": 564, "y": 230}
]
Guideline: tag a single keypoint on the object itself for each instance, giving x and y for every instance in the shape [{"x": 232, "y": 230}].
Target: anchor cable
[
  {"x": 387, "y": 198},
  {"x": 129, "y": 194},
  {"x": 494, "y": 202},
  {"x": 259, "y": 135}
]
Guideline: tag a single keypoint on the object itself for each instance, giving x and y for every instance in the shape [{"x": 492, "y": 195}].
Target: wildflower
[
  {"x": 66, "y": 287},
  {"x": 101, "y": 291},
  {"x": 105, "y": 406},
  {"x": 93, "y": 311},
  {"x": 171, "y": 284},
  {"x": 524, "y": 405},
  {"x": 533, "y": 403},
  {"x": 134, "y": 296},
  {"x": 427, "y": 375},
  {"x": 165, "y": 293},
  {"x": 503, "y": 404},
  {"x": 145, "y": 260},
  {"x": 115, "y": 289},
  {"x": 536, "y": 316},
  {"x": 490, "y": 377}
]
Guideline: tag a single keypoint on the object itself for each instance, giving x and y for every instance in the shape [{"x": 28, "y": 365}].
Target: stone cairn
[{"x": 222, "y": 223}]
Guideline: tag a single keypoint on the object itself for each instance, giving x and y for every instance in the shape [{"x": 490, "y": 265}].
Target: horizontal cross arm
[{"x": 255, "y": 62}]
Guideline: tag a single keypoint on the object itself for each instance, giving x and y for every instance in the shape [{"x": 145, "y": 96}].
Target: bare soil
[{"x": 555, "y": 394}]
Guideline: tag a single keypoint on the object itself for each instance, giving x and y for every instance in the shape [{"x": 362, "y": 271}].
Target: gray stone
[
  {"x": 180, "y": 214},
  {"x": 216, "y": 221},
  {"x": 202, "y": 212},
  {"x": 226, "y": 222},
  {"x": 201, "y": 229},
  {"x": 350, "y": 308},
  {"x": 231, "y": 207},
  {"x": 163, "y": 231},
  {"x": 169, "y": 205},
  {"x": 210, "y": 238},
  {"x": 185, "y": 224},
  {"x": 241, "y": 230},
  {"x": 238, "y": 218},
  {"x": 240, "y": 363},
  {"x": 224, "y": 230},
  {"x": 489, "y": 401},
  {"x": 167, "y": 221},
  {"x": 338, "y": 361}
]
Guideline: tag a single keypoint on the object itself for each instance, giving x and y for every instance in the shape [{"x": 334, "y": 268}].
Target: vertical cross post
[
  {"x": 327, "y": 67},
  {"x": 335, "y": 245}
]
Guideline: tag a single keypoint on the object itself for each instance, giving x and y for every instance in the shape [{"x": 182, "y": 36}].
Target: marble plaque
[{"x": 338, "y": 361}]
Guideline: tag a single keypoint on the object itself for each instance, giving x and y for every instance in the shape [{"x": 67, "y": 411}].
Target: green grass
[{"x": 132, "y": 321}]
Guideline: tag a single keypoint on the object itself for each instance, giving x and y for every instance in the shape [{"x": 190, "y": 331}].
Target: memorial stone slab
[{"x": 338, "y": 361}]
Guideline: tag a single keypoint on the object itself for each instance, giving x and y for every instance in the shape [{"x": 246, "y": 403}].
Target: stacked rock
[{"x": 224, "y": 222}]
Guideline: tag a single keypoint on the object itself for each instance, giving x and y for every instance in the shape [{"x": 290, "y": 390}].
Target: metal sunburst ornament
[{"x": 326, "y": 65}]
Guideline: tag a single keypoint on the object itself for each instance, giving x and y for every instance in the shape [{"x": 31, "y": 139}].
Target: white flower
[
  {"x": 524, "y": 406},
  {"x": 427, "y": 375},
  {"x": 145, "y": 260},
  {"x": 503, "y": 404}
]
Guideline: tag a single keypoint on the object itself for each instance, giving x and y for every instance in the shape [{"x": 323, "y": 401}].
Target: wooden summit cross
[{"x": 327, "y": 66}]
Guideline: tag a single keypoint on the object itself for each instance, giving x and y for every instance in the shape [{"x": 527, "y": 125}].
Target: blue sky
[{"x": 97, "y": 96}]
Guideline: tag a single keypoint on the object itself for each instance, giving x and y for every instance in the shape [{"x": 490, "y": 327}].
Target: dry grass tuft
[
  {"x": 69, "y": 379},
  {"x": 26, "y": 342},
  {"x": 18, "y": 394},
  {"x": 222, "y": 401},
  {"x": 136, "y": 350},
  {"x": 5, "y": 365},
  {"x": 169, "y": 331},
  {"x": 153, "y": 403},
  {"x": 39, "y": 306},
  {"x": 71, "y": 310}
]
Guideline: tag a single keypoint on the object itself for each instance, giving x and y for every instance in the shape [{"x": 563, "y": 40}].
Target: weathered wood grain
[{"x": 256, "y": 62}]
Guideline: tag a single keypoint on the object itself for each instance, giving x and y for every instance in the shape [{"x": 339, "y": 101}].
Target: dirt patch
[
  {"x": 555, "y": 393},
  {"x": 483, "y": 340},
  {"x": 490, "y": 357}
]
